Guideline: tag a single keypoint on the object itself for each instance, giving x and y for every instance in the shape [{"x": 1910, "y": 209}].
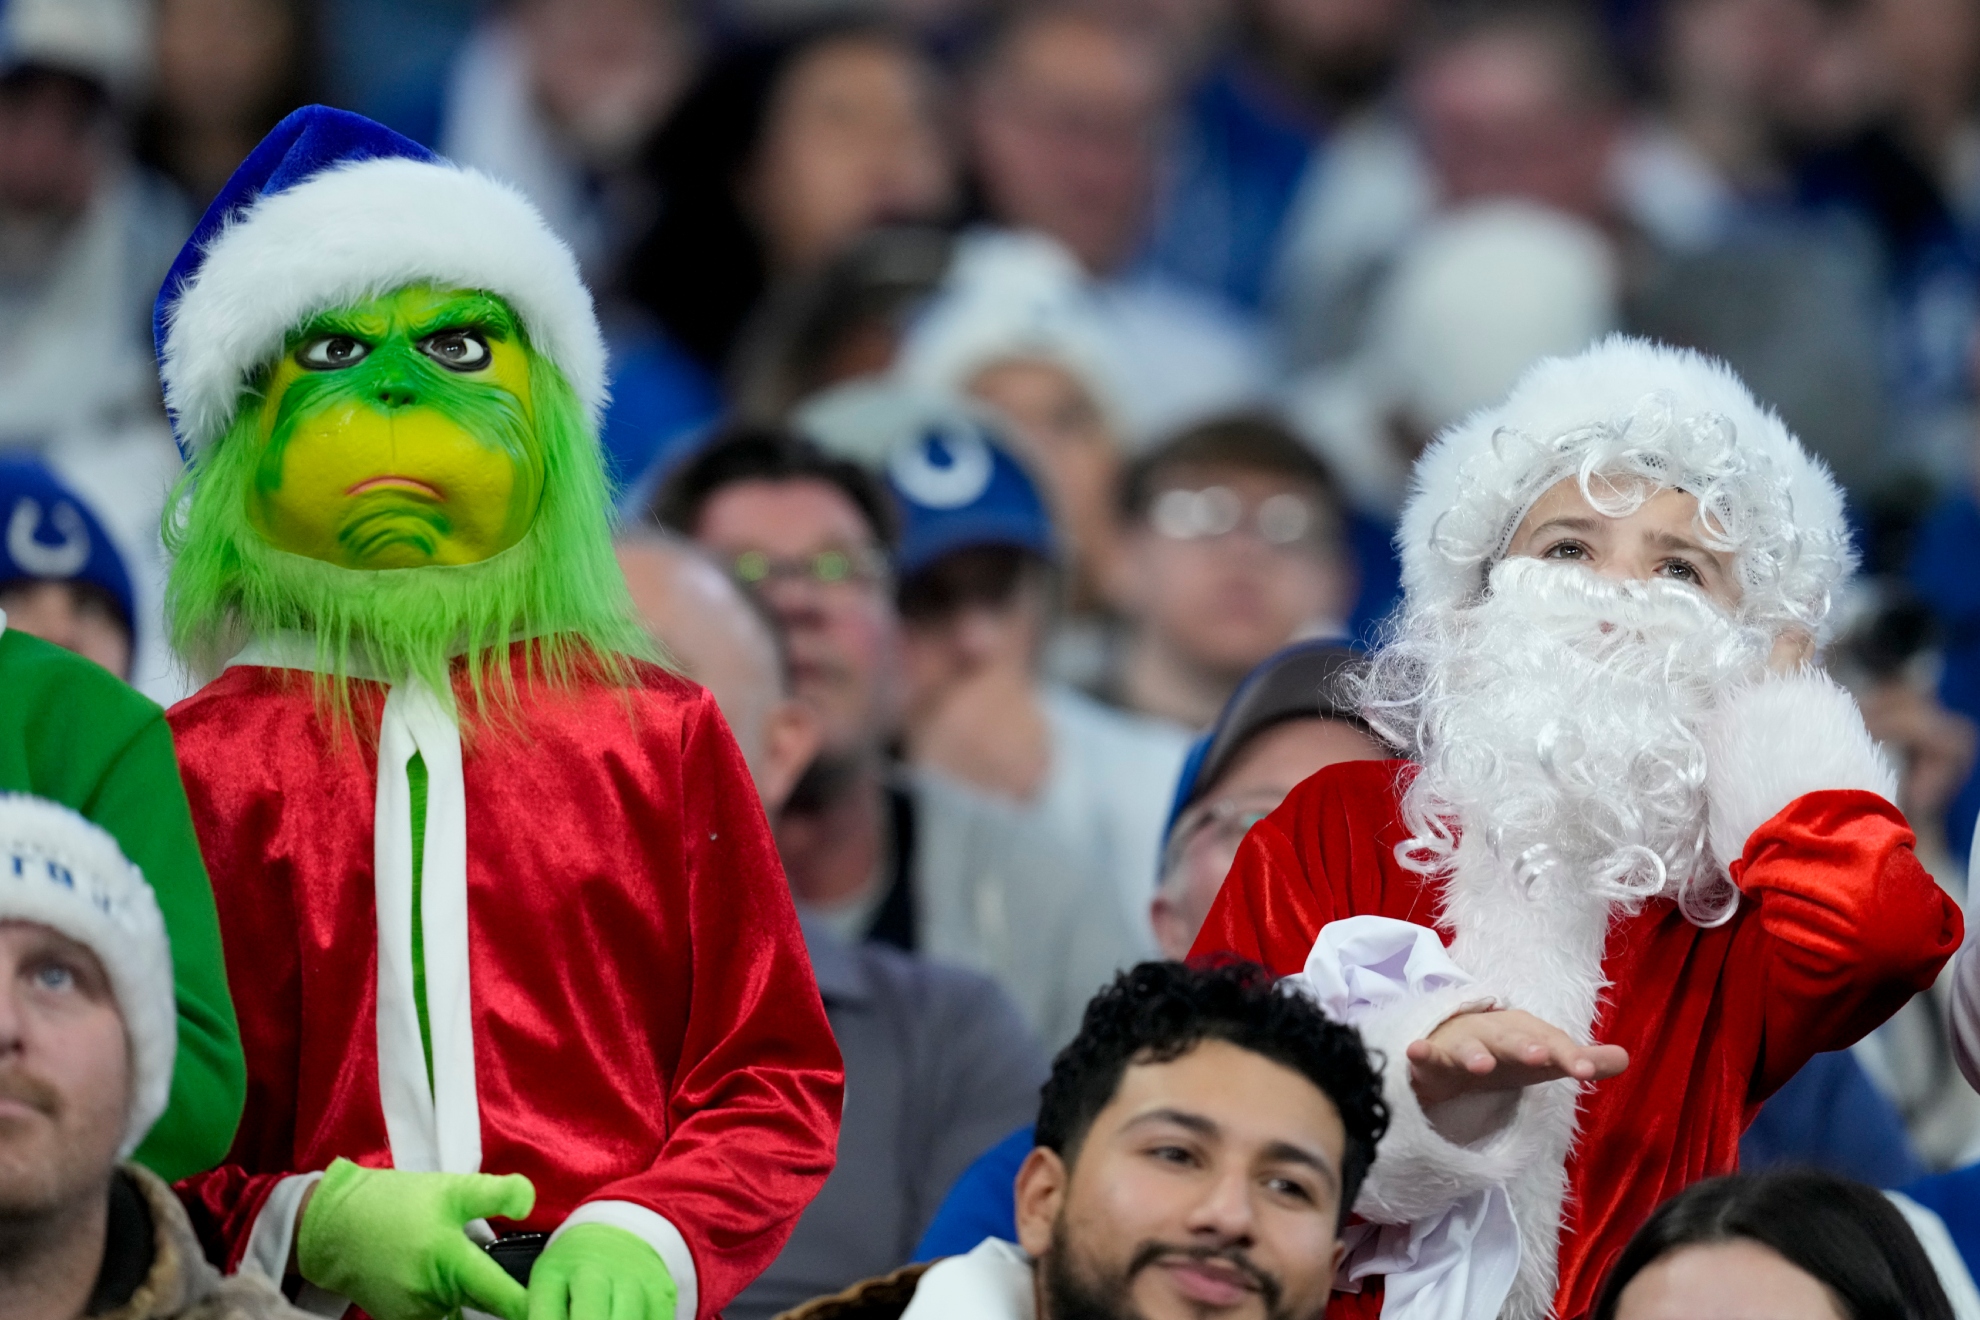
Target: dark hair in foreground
[
  {"x": 1160, "y": 1011},
  {"x": 1848, "y": 1236}
]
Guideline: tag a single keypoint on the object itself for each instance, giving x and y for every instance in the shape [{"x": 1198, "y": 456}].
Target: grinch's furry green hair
[{"x": 559, "y": 587}]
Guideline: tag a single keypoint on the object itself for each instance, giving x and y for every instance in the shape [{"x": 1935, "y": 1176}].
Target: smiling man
[
  {"x": 1198, "y": 1146},
  {"x": 1642, "y": 862},
  {"x": 502, "y": 914}
]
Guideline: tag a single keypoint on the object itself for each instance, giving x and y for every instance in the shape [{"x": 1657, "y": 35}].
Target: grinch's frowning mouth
[{"x": 392, "y": 481}]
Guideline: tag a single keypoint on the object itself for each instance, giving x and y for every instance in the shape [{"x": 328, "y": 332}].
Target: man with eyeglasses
[
  {"x": 1233, "y": 548},
  {"x": 873, "y": 850}
]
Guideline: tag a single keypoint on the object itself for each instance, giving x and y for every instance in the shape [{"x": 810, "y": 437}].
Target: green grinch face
[{"x": 400, "y": 433}]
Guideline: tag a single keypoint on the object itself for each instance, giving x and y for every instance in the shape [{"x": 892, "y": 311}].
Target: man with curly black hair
[{"x": 1199, "y": 1145}]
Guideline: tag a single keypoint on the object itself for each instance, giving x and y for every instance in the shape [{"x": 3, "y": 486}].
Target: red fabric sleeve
[
  {"x": 223, "y": 1204},
  {"x": 1854, "y": 925},
  {"x": 754, "y": 1115},
  {"x": 1327, "y": 852}
]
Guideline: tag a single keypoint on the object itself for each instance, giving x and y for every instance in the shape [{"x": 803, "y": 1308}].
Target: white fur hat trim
[
  {"x": 357, "y": 231},
  {"x": 61, "y": 871},
  {"x": 1630, "y": 406}
]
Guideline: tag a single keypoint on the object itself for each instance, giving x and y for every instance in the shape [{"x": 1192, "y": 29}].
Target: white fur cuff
[
  {"x": 1396, "y": 983},
  {"x": 1779, "y": 739},
  {"x": 1418, "y": 1173}
]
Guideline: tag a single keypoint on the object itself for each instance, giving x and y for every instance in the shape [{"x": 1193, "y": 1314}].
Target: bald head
[{"x": 721, "y": 641}]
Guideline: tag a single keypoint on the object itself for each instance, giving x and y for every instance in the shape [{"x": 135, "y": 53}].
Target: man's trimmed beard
[
  {"x": 1561, "y": 718},
  {"x": 1075, "y": 1291}
]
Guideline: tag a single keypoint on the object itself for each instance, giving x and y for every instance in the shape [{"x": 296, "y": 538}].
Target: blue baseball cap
[
  {"x": 958, "y": 488},
  {"x": 1302, "y": 681},
  {"x": 48, "y": 534}
]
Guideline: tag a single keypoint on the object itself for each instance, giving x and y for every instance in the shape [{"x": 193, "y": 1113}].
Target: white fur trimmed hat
[
  {"x": 60, "y": 871},
  {"x": 1631, "y": 407},
  {"x": 328, "y": 210}
]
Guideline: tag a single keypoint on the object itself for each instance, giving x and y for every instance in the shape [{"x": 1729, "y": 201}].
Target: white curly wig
[{"x": 1630, "y": 407}]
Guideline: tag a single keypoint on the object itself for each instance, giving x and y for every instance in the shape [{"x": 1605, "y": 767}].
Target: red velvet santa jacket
[
  {"x": 645, "y": 1025},
  {"x": 1838, "y": 926}
]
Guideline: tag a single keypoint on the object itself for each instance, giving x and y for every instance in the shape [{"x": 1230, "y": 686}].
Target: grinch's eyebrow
[
  {"x": 369, "y": 324},
  {"x": 475, "y": 311}
]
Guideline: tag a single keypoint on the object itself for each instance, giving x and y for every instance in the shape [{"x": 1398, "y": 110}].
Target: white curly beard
[{"x": 1558, "y": 723}]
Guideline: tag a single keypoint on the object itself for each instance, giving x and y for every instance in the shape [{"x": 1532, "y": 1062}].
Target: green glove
[
  {"x": 597, "y": 1272},
  {"x": 393, "y": 1242}
]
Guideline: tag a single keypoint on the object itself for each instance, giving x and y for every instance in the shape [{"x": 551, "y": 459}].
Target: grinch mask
[
  {"x": 399, "y": 433},
  {"x": 409, "y": 484}
]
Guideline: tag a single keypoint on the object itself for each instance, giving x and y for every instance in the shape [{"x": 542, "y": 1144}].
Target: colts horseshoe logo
[
  {"x": 946, "y": 468},
  {"x": 61, "y": 559}
]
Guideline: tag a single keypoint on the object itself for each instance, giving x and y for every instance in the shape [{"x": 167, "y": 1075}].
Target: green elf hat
[{"x": 329, "y": 210}]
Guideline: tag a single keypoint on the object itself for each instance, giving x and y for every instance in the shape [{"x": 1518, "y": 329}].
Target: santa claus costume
[
  {"x": 526, "y": 917},
  {"x": 1616, "y": 816}
]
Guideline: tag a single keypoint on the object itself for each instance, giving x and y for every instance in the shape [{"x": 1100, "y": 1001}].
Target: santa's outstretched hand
[{"x": 1468, "y": 1073}]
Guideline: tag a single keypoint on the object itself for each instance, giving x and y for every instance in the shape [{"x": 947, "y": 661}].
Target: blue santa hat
[
  {"x": 332, "y": 209},
  {"x": 48, "y": 534}
]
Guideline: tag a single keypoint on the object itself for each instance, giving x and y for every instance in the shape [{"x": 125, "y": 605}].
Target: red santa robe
[
  {"x": 638, "y": 1024},
  {"x": 1837, "y": 927}
]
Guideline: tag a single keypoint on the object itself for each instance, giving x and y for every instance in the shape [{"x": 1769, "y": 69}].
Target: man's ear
[
  {"x": 1041, "y": 1193},
  {"x": 1172, "y": 933},
  {"x": 791, "y": 738}
]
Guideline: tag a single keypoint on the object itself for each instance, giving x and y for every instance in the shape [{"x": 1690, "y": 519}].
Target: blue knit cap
[{"x": 48, "y": 534}]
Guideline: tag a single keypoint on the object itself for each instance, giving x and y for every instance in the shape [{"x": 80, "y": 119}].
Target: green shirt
[{"x": 72, "y": 732}]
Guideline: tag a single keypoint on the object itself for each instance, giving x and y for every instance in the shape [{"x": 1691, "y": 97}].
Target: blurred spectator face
[
  {"x": 1766, "y": 67},
  {"x": 972, "y": 627},
  {"x": 977, "y": 610},
  {"x": 72, "y": 615},
  {"x": 1507, "y": 112},
  {"x": 816, "y": 563},
  {"x": 53, "y": 144},
  {"x": 1736, "y": 1277},
  {"x": 1066, "y": 123},
  {"x": 852, "y": 140},
  {"x": 1059, "y": 429},
  {"x": 1205, "y": 839},
  {"x": 1231, "y": 564},
  {"x": 223, "y": 63},
  {"x": 605, "y": 71},
  {"x": 65, "y": 1075},
  {"x": 701, "y": 619},
  {"x": 1208, "y": 1186},
  {"x": 1927, "y": 54}
]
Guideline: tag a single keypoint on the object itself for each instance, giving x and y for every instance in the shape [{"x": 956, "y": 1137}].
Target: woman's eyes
[
  {"x": 1565, "y": 550},
  {"x": 332, "y": 353},
  {"x": 457, "y": 350},
  {"x": 1682, "y": 570}
]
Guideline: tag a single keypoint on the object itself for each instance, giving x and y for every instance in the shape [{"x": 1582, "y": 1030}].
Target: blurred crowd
[{"x": 1011, "y": 405}]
